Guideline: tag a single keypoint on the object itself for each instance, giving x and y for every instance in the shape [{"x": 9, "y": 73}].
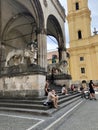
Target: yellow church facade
[{"x": 83, "y": 46}]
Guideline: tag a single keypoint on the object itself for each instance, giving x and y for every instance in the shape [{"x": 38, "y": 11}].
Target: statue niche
[{"x": 19, "y": 56}]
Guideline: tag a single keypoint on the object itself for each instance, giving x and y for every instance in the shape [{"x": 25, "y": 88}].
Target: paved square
[{"x": 14, "y": 122}]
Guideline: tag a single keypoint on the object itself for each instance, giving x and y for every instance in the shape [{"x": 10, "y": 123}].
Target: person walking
[{"x": 92, "y": 91}]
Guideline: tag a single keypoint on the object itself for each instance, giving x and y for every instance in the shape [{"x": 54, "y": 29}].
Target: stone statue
[
  {"x": 59, "y": 68},
  {"x": 62, "y": 66},
  {"x": 18, "y": 56}
]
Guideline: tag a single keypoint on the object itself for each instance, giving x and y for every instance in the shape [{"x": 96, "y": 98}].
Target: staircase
[{"x": 35, "y": 105}]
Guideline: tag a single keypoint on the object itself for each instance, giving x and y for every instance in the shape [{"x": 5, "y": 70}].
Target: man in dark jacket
[{"x": 91, "y": 89}]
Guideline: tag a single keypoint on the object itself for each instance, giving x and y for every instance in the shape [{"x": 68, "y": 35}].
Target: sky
[{"x": 93, "y": 6}]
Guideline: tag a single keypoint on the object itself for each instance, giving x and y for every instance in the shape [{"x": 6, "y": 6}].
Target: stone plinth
[
  {"x": 60, "y": 79},
  {"x": 22, "y": 81},
  {"x": 25, "y": 86}
]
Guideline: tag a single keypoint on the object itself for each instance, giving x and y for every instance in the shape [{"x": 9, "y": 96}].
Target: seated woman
[
  {"x": 52, "y": 97},
  {"x": 64, "y": 90}
]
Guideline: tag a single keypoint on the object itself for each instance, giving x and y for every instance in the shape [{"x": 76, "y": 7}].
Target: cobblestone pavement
[{"x": 81, "y": 115}]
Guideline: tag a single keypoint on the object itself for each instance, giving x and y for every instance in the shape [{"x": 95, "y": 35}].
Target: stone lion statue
[
  {"x": 17, "y": 56},
  {"x": 58, "y": 68}
]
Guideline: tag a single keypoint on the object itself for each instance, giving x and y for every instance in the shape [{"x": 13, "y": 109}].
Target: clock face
[{"x": 45, "y": 3}]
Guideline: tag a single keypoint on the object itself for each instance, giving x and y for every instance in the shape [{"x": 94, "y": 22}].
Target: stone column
[
  {"x": 42, "y": 49},
  {"x": 64, "y": 55},
  {"x": 0, "y": 22},
  {"x": 0, "y": 37},
  {"x": 61, "y": 48},
  {"x": 60, "y": 56}
]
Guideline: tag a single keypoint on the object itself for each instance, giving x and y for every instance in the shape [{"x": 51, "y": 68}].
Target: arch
[
  {"x": 22, "y": 24},
  {"x": 26, "y": 12},
  {"x": 10, "y": 24},
  {"x": 54, "y": 29},
  {"x": 79, "y": 34},
  {"x": 36, "y": 5},
  {"x": 53, "y": 24},
  {"x": 77, "y": 5},
  {"x": 40, "y": 13}
]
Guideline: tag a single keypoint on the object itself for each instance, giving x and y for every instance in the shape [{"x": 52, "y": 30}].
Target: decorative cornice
[
  {"x": 22, "y": 70},
  {"x": 60, "y": 77},
  {"x": 78, "y": 14},
  {"x": 73, "y": 50},
  {"x": 42, "y": 31}
]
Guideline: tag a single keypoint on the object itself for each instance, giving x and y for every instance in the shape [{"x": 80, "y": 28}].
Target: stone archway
[
  {"x": 22, "y": 27},
  {"x": 54, "y": 29},
  {"x": 22, "y": 22}
]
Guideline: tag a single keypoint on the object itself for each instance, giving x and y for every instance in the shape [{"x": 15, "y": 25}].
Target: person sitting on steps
[
  {"x": 52, "y": 99},
  {"x": 64, "y": 90}
]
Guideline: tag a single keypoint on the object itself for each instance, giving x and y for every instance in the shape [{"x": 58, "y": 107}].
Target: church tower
[
  {"x": 83, "y": 47},
  {"x": 79, "y": 21}
]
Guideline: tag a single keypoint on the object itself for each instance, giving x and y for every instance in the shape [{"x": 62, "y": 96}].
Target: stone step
[
  {"x": 24, "y": 110},
  {"x": 65, "y": 104},
  {"x": 27, "y": 106},
  {"x": 36, "y": 100},
  {"x": 36, "y": 106},
  {"x": 48, "y": 112},
  {"x": 22, "y": 101},
  {"x": 62, "y": 100},
  {"x": 69, "y": 95}
]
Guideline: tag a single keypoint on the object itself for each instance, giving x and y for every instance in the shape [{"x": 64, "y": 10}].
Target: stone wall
[{"x": 26, "y": 86}]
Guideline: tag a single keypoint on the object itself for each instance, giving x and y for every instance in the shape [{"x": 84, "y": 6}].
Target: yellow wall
[{"x": 86, "y": 47}]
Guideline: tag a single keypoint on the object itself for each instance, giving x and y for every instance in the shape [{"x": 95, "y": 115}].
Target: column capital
[{"x": 42, "y": 31}]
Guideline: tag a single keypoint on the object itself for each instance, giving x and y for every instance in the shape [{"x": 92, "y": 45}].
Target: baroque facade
[{"x": 83, "y": 46}]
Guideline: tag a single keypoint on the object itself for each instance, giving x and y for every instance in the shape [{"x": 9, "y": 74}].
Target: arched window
[
  {"x": 83, "y": 70},
  {"x": 79, "y": 35},
  {"x": 77, "y": 6}
]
